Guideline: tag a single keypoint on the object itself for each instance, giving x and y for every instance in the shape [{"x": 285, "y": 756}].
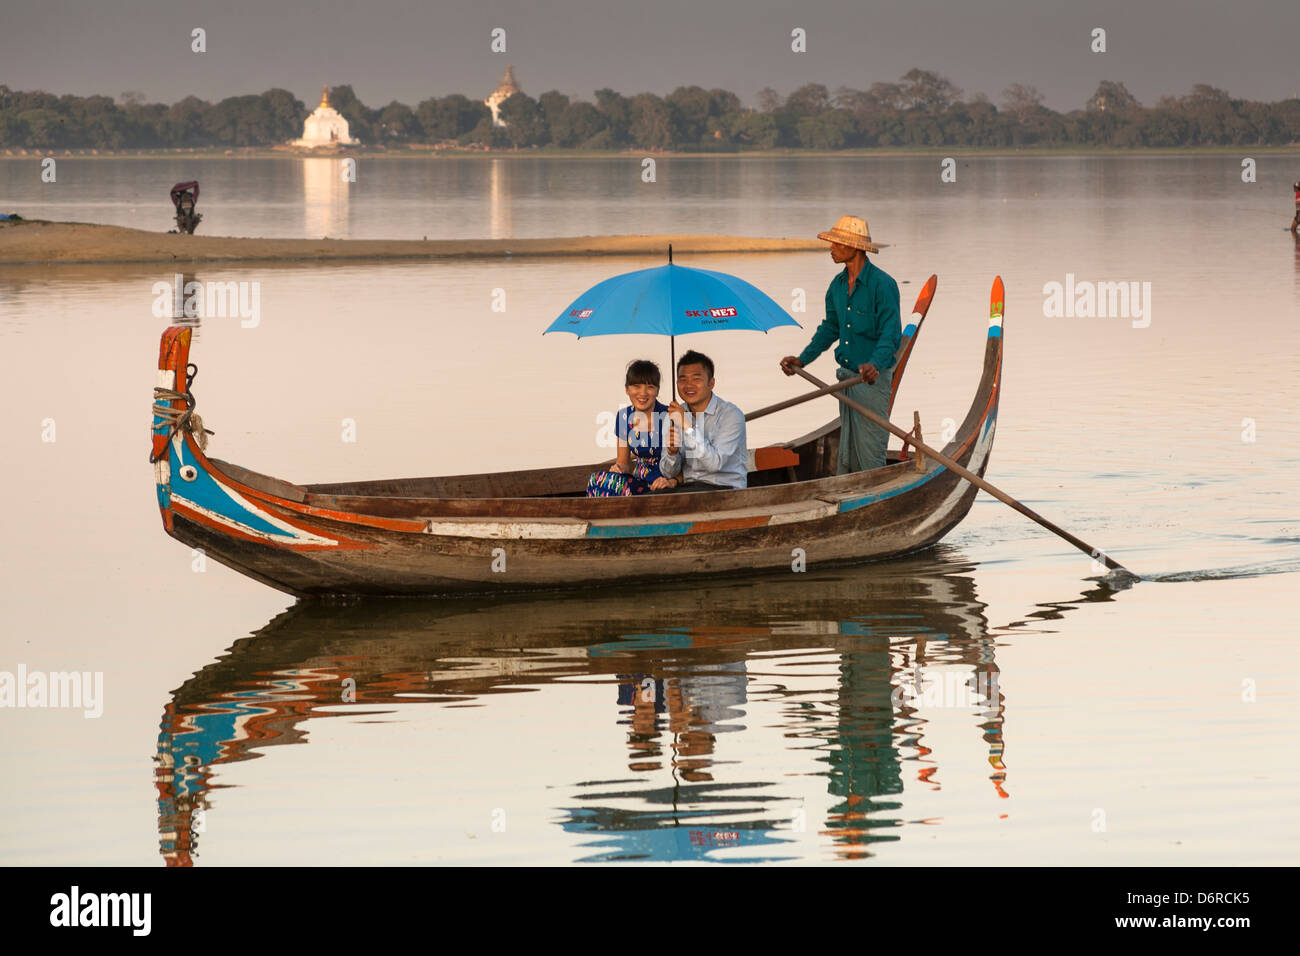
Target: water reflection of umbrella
[{"x": 670, "y": 300}]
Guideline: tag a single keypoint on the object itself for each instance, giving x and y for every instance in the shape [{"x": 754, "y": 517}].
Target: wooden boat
[{"x": 536, "y": 529}]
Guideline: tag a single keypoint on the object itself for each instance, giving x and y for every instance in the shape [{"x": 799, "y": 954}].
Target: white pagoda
[
  {"x": 325, "y": 127},
  {"x": 507, "y": 89}
]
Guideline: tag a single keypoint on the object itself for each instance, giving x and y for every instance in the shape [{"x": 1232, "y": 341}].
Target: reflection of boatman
[
  {"x": 862, "y": 321},
  {"x": 1295, "y": 223}
]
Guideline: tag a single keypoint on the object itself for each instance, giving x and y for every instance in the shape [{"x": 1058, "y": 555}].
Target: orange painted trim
[{"x": 347, "y": 517}]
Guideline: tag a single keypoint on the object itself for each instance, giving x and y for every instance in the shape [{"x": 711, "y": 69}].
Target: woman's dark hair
[
  {"x": 696, "y": 358},
  {"x": 642, "y": 372}
]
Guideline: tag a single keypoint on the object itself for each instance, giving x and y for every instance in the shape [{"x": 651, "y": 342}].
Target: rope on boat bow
[{"x": 177, "y": 419}]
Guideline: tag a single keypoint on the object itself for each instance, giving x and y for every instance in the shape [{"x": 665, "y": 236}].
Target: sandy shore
[{"x": 36, "y": 242}]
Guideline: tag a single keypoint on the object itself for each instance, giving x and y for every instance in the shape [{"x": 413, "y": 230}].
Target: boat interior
[
  {"x": 815, "y": 455},
  {"x": 810, "y": 457}
]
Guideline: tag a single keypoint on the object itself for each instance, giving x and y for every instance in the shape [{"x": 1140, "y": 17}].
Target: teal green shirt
[{"x": 865, "y": 326}]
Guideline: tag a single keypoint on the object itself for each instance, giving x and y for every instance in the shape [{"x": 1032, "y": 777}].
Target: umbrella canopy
[{"x": 670, "y": 300}]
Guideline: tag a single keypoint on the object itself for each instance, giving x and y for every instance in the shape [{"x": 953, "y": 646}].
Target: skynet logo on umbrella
[{"x": 710, "y": 313}]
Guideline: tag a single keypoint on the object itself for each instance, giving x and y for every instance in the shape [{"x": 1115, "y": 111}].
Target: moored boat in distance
[{"x": 531, "y": 529}]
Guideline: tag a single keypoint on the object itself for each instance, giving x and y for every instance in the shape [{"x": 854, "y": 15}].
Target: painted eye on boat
[{"x": 189, "y": 472}]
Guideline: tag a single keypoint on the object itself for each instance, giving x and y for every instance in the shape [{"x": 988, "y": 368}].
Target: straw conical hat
[{"x": 852, "y": 231}]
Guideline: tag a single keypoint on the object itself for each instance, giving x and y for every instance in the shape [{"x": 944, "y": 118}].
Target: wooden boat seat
[{"x": 773, "y": 456}]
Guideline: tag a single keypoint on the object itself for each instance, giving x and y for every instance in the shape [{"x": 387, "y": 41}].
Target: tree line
[{"x": 921, "y": 109}]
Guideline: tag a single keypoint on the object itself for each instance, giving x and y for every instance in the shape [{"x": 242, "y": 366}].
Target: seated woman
[{"x": 643, "y": 429}]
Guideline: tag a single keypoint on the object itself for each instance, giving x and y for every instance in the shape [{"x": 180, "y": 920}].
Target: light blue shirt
[{"x": 714, "y": 451}]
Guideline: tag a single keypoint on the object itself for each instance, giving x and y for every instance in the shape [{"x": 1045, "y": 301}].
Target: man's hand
[
  {"x": 674, "y": 441},
  {"x": 789, "y": 364},
  {"x": 659, "y": 484},
  {"x": 676, "y": 425},
  {"x": 869, "y": 373}
]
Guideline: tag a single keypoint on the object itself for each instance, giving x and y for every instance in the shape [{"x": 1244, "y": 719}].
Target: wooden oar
[
  {"x": 970, "y": 476},
  {"x": 824, "y": 390}
]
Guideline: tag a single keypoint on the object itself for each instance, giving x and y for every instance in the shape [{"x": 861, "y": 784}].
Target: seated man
[{"x": 710, "y": 432}]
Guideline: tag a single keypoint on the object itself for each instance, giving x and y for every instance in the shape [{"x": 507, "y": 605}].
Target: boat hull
[
  {"x": 527, "y": 530},
  {"x": 913, "y": 511}
]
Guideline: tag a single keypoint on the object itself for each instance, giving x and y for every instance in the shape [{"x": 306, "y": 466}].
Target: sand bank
[{"x": 50, "y": 243}]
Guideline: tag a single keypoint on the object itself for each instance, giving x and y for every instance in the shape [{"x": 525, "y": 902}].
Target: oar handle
[
  {"x": 970, "y": 476},
  {"x": 800, "y": 399}
]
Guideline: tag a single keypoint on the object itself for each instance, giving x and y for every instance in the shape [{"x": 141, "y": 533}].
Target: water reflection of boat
[{"x": 682, "y": 663}]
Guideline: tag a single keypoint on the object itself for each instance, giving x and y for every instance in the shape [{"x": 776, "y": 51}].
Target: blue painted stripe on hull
[
  {"x": 910, "y": 330},
  {"x": 853, "y": 504},
  {"x": 639, "y": 530},
  {"x": 995, "y": 332}
]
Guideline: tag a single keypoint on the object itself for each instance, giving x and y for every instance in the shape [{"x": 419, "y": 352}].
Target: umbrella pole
[
  {"x": 672, "y": 340},
  {"x": 672, "y": 368}
]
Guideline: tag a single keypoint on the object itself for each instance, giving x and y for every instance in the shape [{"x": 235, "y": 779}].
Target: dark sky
[{"x": 409, "y": 50}]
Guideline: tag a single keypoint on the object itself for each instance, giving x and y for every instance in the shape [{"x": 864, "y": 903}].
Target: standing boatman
[
  {"x": 1295, "y": 223},
  {"x": 863, "y": 322}
]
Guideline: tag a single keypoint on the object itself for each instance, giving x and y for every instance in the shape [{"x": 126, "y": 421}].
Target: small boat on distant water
[{"x": 523, "y": 530}]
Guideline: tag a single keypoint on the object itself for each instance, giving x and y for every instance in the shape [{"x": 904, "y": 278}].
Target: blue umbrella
[{"x": 670, "y": 300}]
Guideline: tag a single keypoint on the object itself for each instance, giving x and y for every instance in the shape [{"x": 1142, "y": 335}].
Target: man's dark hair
[
  {"x": 695, "y": 358},
  {"x": 642, "y": 372}
]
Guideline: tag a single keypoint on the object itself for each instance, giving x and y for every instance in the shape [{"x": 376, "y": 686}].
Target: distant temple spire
[
  {"x": 508, "y": 88},
  {"x": 325, "y": 127}
]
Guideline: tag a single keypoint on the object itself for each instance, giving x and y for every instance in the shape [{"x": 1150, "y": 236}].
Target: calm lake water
[{"x": 775, "y": 719}]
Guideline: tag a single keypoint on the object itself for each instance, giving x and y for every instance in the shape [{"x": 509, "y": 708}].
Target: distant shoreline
[
  {"x": 42, "y": 242},
  {"x": 874, "y": 152}
]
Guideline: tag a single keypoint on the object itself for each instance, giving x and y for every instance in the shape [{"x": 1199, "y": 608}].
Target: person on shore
[
  {"x": 863, "y": 322},
  {"x": 642, "y": 430},
  {"x": 1295, "y": 223},
  {"x": 712, "y": 453}
]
